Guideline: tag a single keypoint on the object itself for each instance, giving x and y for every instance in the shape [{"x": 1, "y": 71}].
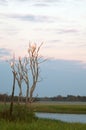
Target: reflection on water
[{"x": 63, "y": 117}]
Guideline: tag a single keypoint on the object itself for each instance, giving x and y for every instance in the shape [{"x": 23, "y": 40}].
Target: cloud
[
  {"x": 51, "y": 1},
  {"x": 3, "y": 2},
  {"x": 22, "y": 0},
  {"x": 41, "y": 4},
  {"x": 12, "y": 31},
  {"x": 4, "y": 52},
  {"x": 45, "y": 3},
  {"x": 82, "y": 45},
  {"x": 62, "y": 31},
  {"x": 1, "y": 37},
  {"x": 38, "y": 3},
  {"x": 53, "y": 41},
  {"x": 32, "y": 18},
  {"x": 66, "y": 31}
]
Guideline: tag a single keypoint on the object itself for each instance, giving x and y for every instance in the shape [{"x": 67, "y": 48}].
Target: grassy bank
[
  {"x": 26, "y": 123},
  {"x": 59, "y": 108},
  {"x": 54, "y": 108},
  {"x": 41, "y": 124}
]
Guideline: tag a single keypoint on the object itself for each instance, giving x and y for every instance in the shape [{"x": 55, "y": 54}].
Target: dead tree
[
  {"x": 26, "y": 76},
  {"x": 19, "y": 77},
  {"x": 20, "y": 67},
  {"x": 13, "y": 88},
  {"x": 34, "y": 62},
  {"x": 28, "y": 68},
  {"x": 22, "y": 75},
  {"x": 16, "y": 66}
]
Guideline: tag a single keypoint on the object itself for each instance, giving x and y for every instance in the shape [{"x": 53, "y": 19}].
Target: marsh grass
[
  {"x": 41, "y": 124},
  {"x": 20, "y": 113},
  {"x": 60, "y": 108},
  {"x": 23, "y": 118}
]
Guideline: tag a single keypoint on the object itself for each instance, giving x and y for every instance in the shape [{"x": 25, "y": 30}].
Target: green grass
[
  {"x": 24, "y": 120},
  {"x": 54, "y": 108},
  {"x": 60, "y": 108},
  {"x": 41, "y": 124},
  {"x": 20, "y": 113}
]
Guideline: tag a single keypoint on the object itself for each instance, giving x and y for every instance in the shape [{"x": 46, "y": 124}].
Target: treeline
[
  {"x": 6, "y": 98},
  {"x": 63, "y": 98}
]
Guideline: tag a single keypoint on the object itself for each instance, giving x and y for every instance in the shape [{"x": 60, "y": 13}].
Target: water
[{"x": 75, "y": 118}]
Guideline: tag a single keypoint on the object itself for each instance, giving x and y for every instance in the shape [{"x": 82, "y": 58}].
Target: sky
[{"x": 61, "y": 26}]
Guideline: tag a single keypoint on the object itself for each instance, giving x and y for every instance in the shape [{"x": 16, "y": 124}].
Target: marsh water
[{"x": 75, "y": 118}]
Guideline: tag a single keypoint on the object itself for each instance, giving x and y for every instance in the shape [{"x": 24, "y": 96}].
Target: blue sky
[{"x": 61, "y": 25}]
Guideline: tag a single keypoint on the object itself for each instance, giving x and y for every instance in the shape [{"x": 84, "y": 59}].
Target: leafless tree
[
  {"x": 34, "y": 61},
  {"x": 20, "y": 68},
  {"x": 16, "y": 66},
  {"x": 19, "y": 77},
  {"x": 13, "y": 88},
  {"x": 26, "y": 68},
  {"x": 26, "y": 76}
]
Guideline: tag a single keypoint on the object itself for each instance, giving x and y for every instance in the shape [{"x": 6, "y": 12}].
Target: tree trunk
[
  {"x": 27, "y": 93},
  {"x": 31, "y": 92},
  {"x": 20, "y": 95},
  {"x": 12, "y": 96}
]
